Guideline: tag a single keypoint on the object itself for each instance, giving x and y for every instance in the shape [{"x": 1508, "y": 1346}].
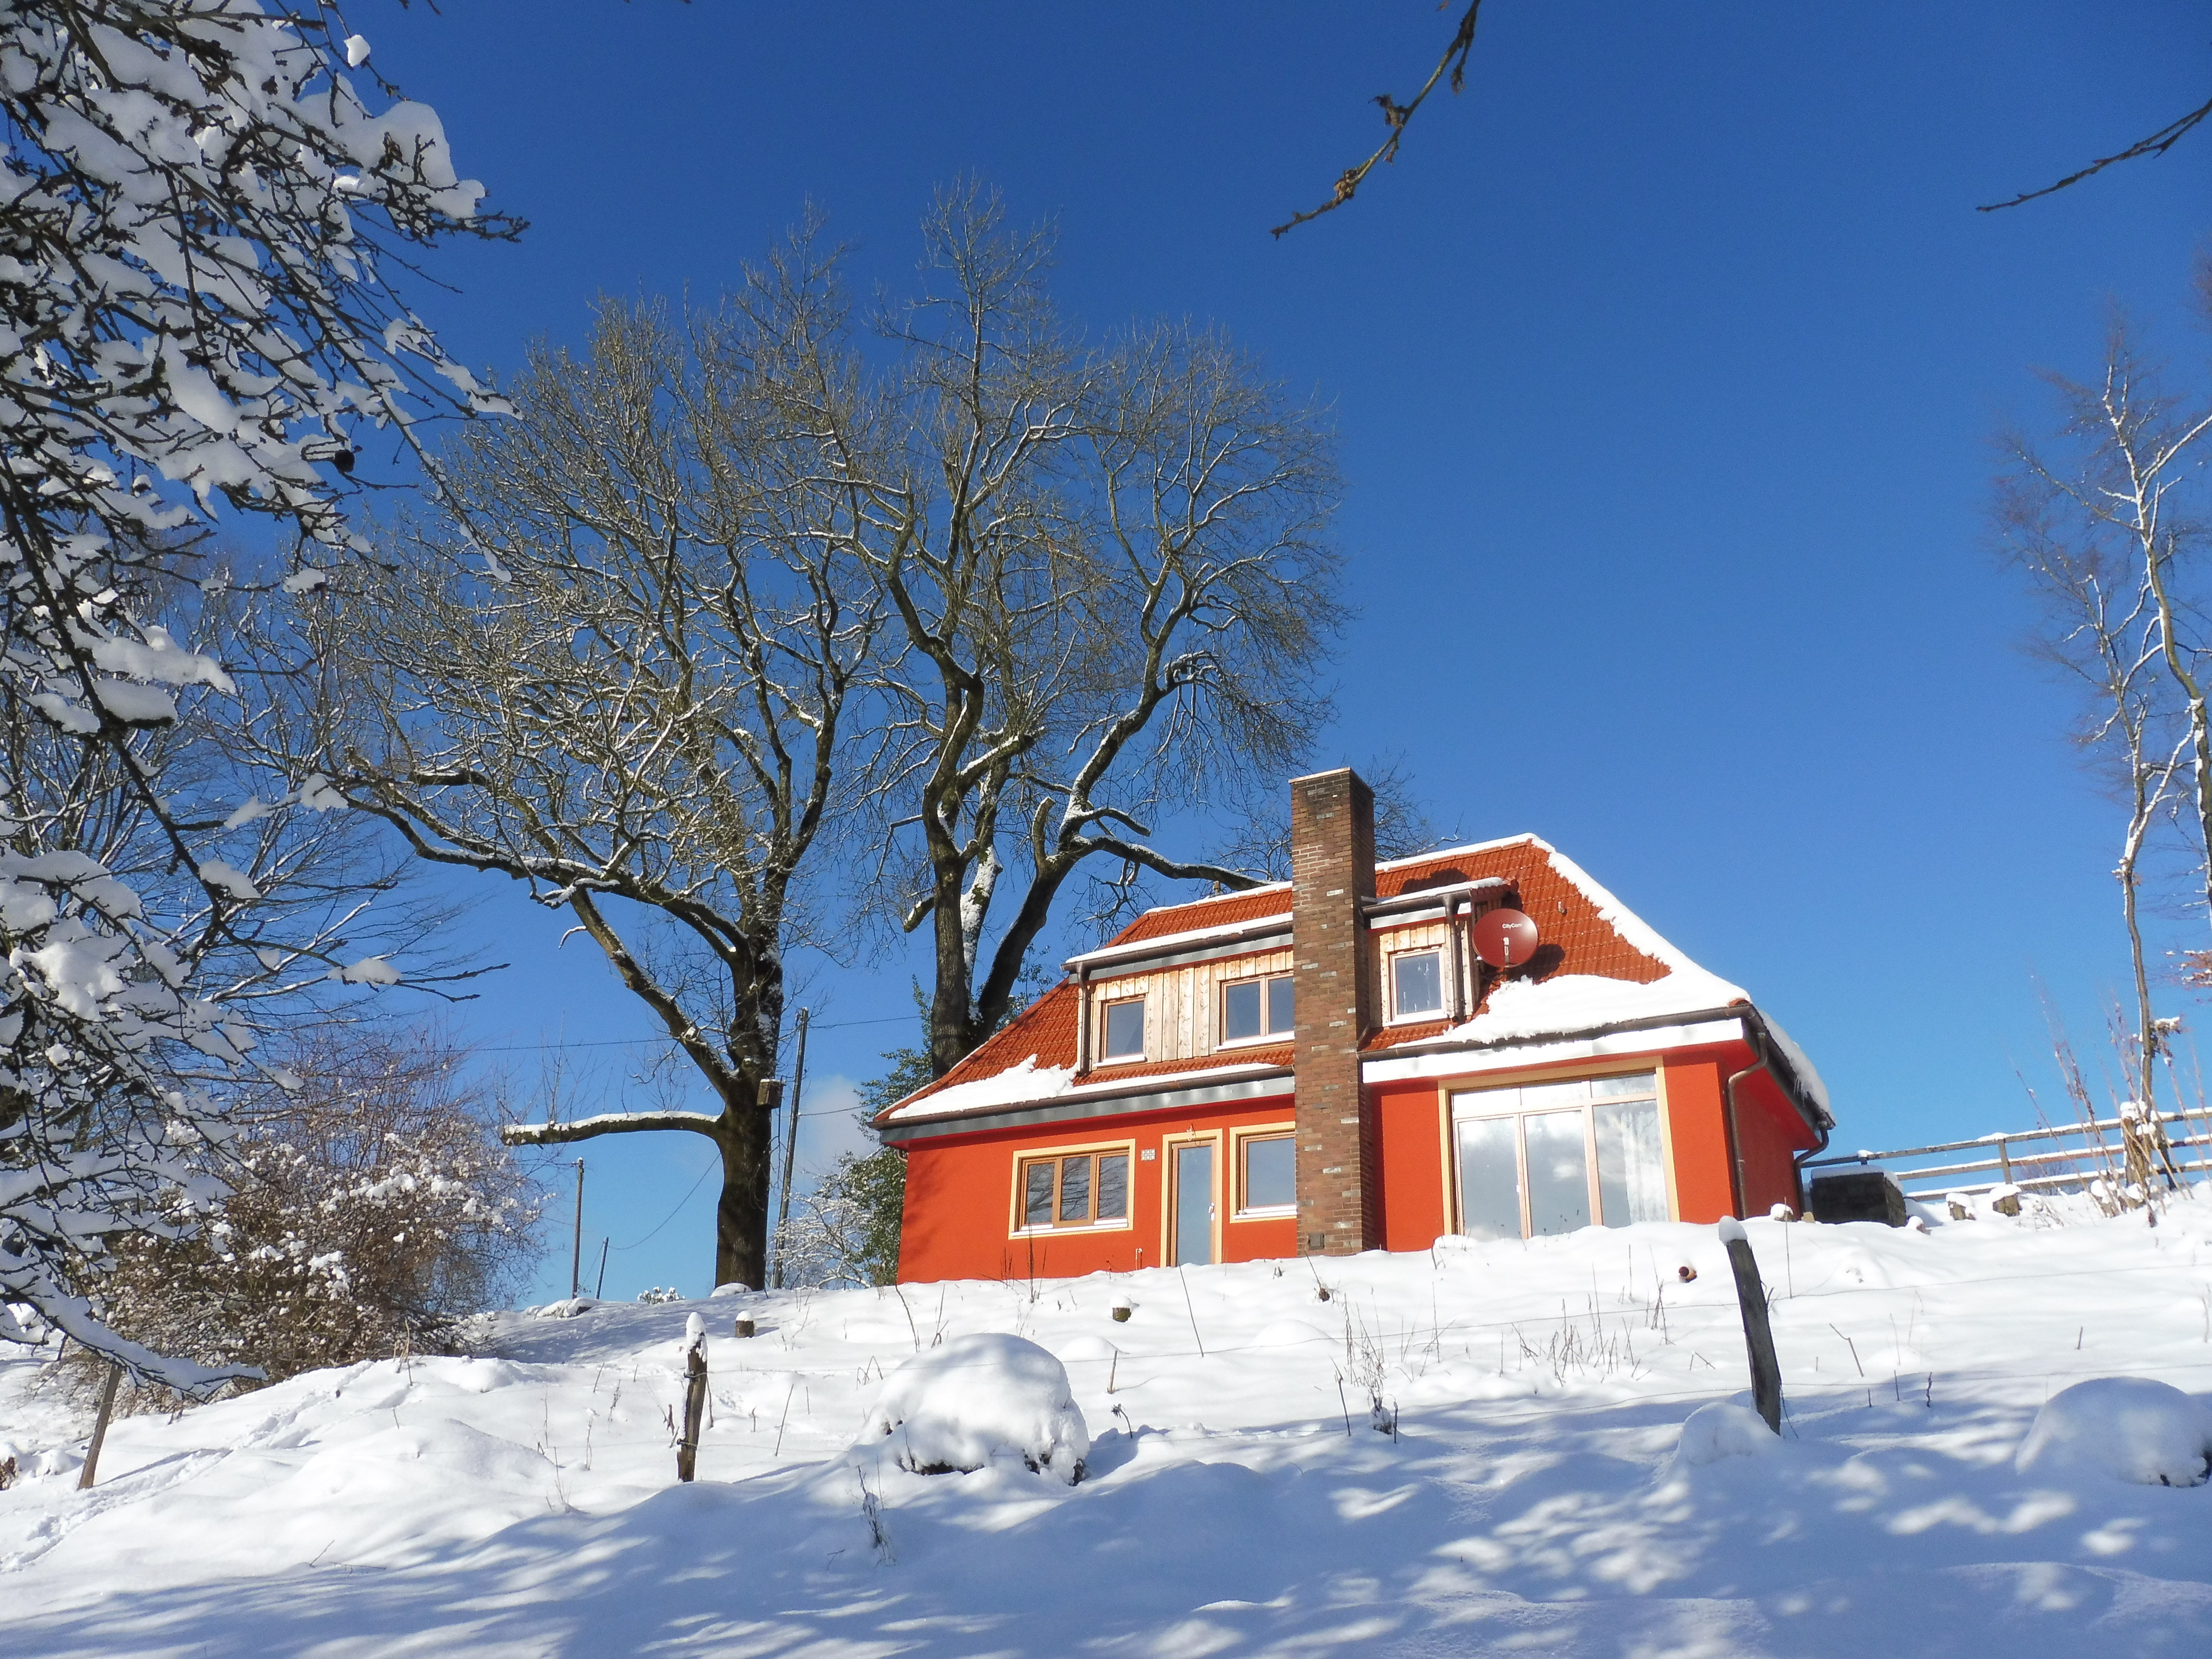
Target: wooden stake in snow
[
  {"x": 695, "y": 1396},
  {"x": 99, "y": 1427},
  {"x": 1757, "y": 1338}
]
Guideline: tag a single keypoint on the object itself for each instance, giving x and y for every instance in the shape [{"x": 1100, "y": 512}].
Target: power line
[{"x": 625, "y": 1042}]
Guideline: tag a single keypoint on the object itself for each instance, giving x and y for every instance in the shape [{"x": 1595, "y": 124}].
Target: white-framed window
[
  {"x": 1417, "y": 984},
  {"x": 1551, "y": 1157},
  {"x": 1254, "y": 1009},
  {"x": 1122, "y": 1029},
  {"x": 1266, "y": 1173},
  {"x": 1088, "y": 1188}
]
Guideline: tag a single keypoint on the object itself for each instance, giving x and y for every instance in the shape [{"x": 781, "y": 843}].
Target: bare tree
[
  {"x": 615, "y": 665},
  {"x": 2102, "y": 629},
  {"x": 2127, "y": 476},
  {"x": 1113, "y": 577},
  {"x": 2104, "y": 524}
]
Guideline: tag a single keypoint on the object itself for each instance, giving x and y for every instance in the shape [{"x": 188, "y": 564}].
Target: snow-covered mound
[
  {"x": 978, "y": 1398},
  {"x": 1723, "y": 1429},
  {"x": 1485, "y": 1448},
  {"x": 2129, "y": 1427}
]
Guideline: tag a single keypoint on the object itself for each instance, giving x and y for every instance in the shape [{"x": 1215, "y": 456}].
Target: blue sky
[{"x": 1665, "y": 363}]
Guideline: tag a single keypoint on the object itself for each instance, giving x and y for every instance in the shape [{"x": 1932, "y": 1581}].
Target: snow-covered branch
[
  {"x": 606, "y": 1123},
  {"x": 195, "y": 318}
]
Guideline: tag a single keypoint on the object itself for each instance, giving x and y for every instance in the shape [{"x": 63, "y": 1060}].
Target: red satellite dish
[{"x": 1504, "y": 938}]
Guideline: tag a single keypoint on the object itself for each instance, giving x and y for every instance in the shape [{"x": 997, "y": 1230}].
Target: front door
[{"x": 1193, "y": 1245}]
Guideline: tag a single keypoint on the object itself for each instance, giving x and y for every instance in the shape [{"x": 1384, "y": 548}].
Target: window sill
[
  {"x": 1279, "y": 1212},
  {"x": 1417, "y": 1019},
  {"x": 1261, "y": 1042},
  {"x": 1075, "y": 1228}
]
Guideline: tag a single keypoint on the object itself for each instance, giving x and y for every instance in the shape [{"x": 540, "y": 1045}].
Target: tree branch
[
  {"x": 607, "y": 1123},
  {"x": 2157, "y": 145},
  {"x": 1397, "y": 115}
]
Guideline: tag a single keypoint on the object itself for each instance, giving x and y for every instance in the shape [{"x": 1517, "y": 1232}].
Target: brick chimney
[{"x": 1332, "y": 870}]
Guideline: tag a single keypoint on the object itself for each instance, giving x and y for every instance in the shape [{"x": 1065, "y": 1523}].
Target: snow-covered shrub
[
  {"x": 2129, "y": 1427},
  {"x": 369, "y": 1208},
  {"x": 975, "y": 1401}
]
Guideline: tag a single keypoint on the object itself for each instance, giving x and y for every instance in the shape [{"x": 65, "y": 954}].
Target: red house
[{"x": 1481, "y": 1041}]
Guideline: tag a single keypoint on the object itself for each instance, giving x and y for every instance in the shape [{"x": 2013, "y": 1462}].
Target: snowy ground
[{"x": 1531, "y": 1501}]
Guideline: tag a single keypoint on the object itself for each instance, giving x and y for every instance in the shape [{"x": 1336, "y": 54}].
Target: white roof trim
[
  {"x": 1056, "y": 1083},
  {"x": 1138, "y": 950},
  {"x": 1525, "y": 839},
  {"x": 1458, "y": 1062}
]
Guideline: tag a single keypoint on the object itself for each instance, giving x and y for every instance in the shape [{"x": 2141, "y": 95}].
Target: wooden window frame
[
  {"x": 1286, "y": 1130},
  {"x": 1016, "y": 1227},
  {"x": 1212, "y": 1137},
  {"x": 1450, "y": 1089},
  {"x": 1106, "y": 1007},
  {"x": 1267, "y": 1034},
  {"x": 1515, "y": 1077},
  {"x": 1442, "y": 1010}
]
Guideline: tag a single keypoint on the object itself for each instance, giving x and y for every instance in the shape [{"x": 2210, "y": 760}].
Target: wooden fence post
[
  {"x": 695, "y": 1397},
  {"x": 99, "y": 1427},
  {"x": 1758, "y": 1338}
]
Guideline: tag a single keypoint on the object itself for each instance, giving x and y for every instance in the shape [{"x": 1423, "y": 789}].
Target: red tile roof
[
  {"x": 1216, "y": 912},
  {"x": 1576, "y": 939}
]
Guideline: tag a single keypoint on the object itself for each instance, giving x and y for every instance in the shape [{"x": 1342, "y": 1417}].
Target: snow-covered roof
[{"x": 1600, "y": 965}]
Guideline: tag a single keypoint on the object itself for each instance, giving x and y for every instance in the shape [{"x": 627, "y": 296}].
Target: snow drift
[
  {"x": 1234, "y": 1499},
  {"x": 977, "y": 1400},
  {"x": 2129, "y": 1427}
]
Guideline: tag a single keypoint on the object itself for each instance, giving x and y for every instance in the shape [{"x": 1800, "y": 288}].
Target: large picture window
[
  {"x": 1074, "y": 1189},
  {"x": 1554, "y": 1156},
  {"x": 1122, "y": 1029},
  {"x": 1255, "y": 1008}
]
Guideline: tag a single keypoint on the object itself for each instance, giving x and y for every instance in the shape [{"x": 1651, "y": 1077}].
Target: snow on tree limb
[
  {"x": 197, "y": 211},
  {"x": 607, "y": 1123}
]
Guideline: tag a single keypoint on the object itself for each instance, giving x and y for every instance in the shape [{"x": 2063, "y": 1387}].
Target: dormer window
[
  {"x": 1254, "y": 1008},
  {"x": 1123, "y": 1037},
  {"x": 1417, "y": 984}
]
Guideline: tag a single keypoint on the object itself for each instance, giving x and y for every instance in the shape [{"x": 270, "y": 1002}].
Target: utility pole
[
  {"x": 576, "y": 1250},
  {"x": 791, "y": 1142}
]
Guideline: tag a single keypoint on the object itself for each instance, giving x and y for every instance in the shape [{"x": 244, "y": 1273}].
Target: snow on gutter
[
  {"x": 1031, "y": 1085},
  {"x": 1582, "y": 1016}
]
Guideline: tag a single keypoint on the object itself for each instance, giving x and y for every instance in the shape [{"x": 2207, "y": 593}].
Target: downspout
[
  {"x": 1458, "y": 960},
  {"x": 1758, "y": 1063},
  {"x": 1763, "y": 1060},
  {"x": 1082, "y": 1021}
]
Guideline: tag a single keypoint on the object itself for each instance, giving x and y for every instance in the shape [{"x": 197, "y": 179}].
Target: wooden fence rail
[{"x": 2000, "y": 1165}]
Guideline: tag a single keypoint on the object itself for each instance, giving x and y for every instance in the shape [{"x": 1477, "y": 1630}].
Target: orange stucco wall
[
  {"x": 1414, "y": 1117},
  {"x": 959, "y": 1220},
  {"x": 1769, "y": 1135},
  {"x": 1696, "y": 1131},
  {"x": 960, "y": 1216}
]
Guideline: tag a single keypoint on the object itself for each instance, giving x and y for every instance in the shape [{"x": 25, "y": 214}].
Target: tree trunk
[{"x": 741, "y": 1215}]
